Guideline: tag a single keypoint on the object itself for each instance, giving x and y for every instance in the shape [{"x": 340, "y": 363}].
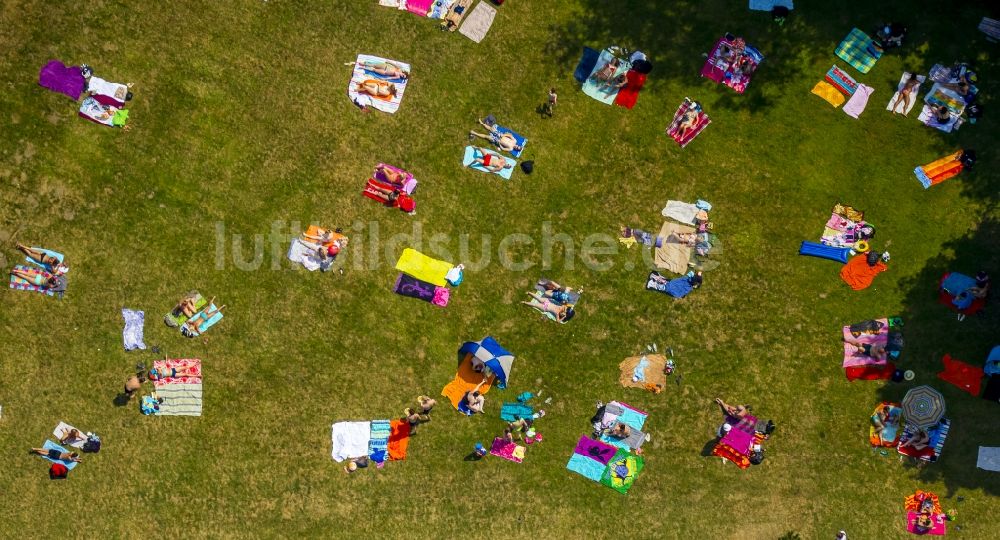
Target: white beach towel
[
  {"x": 132, "y": 334},
  {"x": 859, "y": 100},
  {"x": 478, "y": 23},
  {"x": 302, "y": 253},
  {"x": 350, "y": 440},
  {"x": 989, "y": 458},
  {"x": 62, "y": 428},
  {"x": 913, "y": 93},
  {"x": 680, "y": 211}
]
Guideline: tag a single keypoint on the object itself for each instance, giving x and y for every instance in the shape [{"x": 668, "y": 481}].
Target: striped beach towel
[
  {"x": 182, "y": 396},
  {"x": 378, "y": 444},
  {"x": 841, "y": 81},
  {"x": 21, "y": 284}
]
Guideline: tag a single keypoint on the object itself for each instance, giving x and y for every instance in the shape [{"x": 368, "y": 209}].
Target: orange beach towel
[
  {"x": 858, "y": 274},
  {"x": 314, "y": 230},
  {"x": 399, "y": 439},
  {"x": 465, "y": 380}
]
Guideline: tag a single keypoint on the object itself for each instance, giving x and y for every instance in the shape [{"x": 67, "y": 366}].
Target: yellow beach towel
[
  {"x": 422, "y": 267},
  {"x": 828, "y": 92}
]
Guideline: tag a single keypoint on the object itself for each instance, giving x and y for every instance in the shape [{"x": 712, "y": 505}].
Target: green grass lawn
[{"x": 241, "y": 127}]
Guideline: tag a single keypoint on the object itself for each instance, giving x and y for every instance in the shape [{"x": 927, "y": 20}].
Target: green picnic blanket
[{"x": 859, "y": 50}]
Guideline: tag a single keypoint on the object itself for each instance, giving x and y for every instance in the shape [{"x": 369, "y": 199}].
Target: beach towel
[
  {"x": 628, "y": 95},
  {"x": 928, "y": 118},
  {"x": 884, "y": 332},
  {"x": 673, "y": 130},
  {"x": 456, "y": 12},
  {"x": 643, "y": 371},
  {"x": 419, "y": 7},
  {"x": 605, "y": 93},
  {"x": 49, "y": 445},
  {"x": 407, "y": 184},
  {"x": 67, "y": 80},
  {"x": 202, "y": 321},
  {"x": 399, "y": 439},
  {"x": 507, "y": 450},
  {"x": 672, "y": 255},
  {"x": 586, "y": 64},
  {"x": 108, "y": 93},
  {"x": 936, "y": 437},
  {"x": 859, "y": 50},
  {"x": 893, "y": 429},
  {"x": 829, "y": 93},
  {"x": 132, "y": 334},
  {"x": 677, "y": 287},
  {"x": 439, "y": 9},
  {"x": 21, "y": 284},
  {"x": 870, "y": 372},
  {"x": 510, "y": 412},
  {"x": 464, "y": 382},
  {"x": 182, "y": 396},
  {"x": 938, "y": 528},
  {"x": 304, "y": 253},
  {"x": 840, "y": 80},
  {"x": 108, "y": 115},
  {"x": 939, "y": 170},
  {"x": 768, "y": 5},
  {"x": 596, "y": 451},
  {"x": 378, "y": 440},
  {"x": 359, "y": 75},
  {"x": 990, "y": 27},
  {"x": 349, "y": 440},
  {"x": 478, "y": 23},
  {"x": 521, "y": 141},
  {"x": 422, "y": 267},
  {"x": 858, "y": 274},
  {"x": 633, "y": 442},
  {"x": 47, "y": 267},
  {"x": 722, "y": 70},
  {"x": 573, "y": 294},
  {"x": 859, "y": 100},
  {"x": 473, "y": 152},
  {"x": 587, "y": 467},
  {"x": 989, "y": 458},
  {"x": 965, "y": 376},
  {"x": 62, "y": 428},
  {"x": 177, "y": 320},
  {"x": 914, "y": 92},
  {"x": 622, "y": 471},
  {"x": 421, "y": 290},
  {"x": 940, "y": 96},
  {"x": 680, "y": 211}
]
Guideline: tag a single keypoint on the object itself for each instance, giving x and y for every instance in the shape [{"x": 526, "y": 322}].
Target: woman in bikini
[
  {"x": 377, "y": 89},
  {"x": 607, "y": 71},
  {"x": 156, "y": 374},
  {"x": 562, "y": 313},
  {"x": 490, "y": 161},
  {"x": 45, "y": 280},
  {"x": 391, "y": 176},
  {"x": 904, "y": 94},
  {"x": 876, "y": 351},
  {"x": 688, "y": 120},
  {"x": 503, "y": 141},
  {"x": 385, "y": 68},
  {"x": 187, "y": 306},
  {"x": 43, "y": 258},
  {"x": 191, "y": 326}
]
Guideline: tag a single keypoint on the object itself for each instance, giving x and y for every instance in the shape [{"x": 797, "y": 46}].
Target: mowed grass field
[{"x": 241, "y": 127}]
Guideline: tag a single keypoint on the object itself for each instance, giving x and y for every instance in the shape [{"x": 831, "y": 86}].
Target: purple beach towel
[
  {"x": 596, "y": 450},
  {"x": 414, "y": 288},
  {"x": 66, "y": 80}
]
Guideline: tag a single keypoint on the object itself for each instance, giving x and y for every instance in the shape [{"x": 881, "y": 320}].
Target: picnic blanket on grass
[
  {"x": 858, "y": 274},
  {"x": 49, "y": 445},
  {"x": 586, "y": 65},
  {"x": 20, "y": 284},
  {"x": 465, "y": 380},
  {"x": 643, "y": 371},
  {"x": 671, "y": 255},
  {"x": 399, "y": 439},
  {"x": 717, "y": 68},
  {"x": 478, "y": 23},
  {"x": 75, "y": 443},
  {"x": 58, "y": 77},
  {"x": 913, "y": 93},
  {"x": 132, "y": 334},
  {"x": 938, "y": 520},
  {"x": 360, "y": 75},
  {"x": 108, "y": 115},
  {"x": 507, "y": 450},
  {"x": 597, "y": 89},
  {"x": 421, "y": 290},
  {"x": 939, "y": 170},
  {"x": 473, "y": 152},
  {"x": 622, "y": 471},
  {"x": 350, "y": 440},
  {"x": 422, "y": 267},
  {"x": 673, "y": 129},
  {"x": 859, "y": 50},
  {"x": 182, "y": 396}
]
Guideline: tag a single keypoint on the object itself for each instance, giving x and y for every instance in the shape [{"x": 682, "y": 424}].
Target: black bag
[
  {"x": 766, "y": 428},
  {"x": 527, "y": 166},
  {"x": 92, "y": 445},
  {"x": 757, "y": 458}
]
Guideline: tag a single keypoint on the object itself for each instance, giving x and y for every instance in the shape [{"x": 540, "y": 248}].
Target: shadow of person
[
  {"x": 709, "y": 446},
  {"x": 473, "y": 456},
  {"x": 120, "y": 400}
]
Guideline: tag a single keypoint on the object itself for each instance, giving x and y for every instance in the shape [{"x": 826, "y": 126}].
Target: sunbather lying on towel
[
  {"x": 43, "y": 258},
  {"x": 385, "y": 68},
  {"x": 393, "y": 197},
  {"x": 71, "y": 435},
  {"x": 503, "y": 141},
  {"x": 607, "y": 72},
  {"x": 191, "y": 326},
  {"x": 391, "y": 175},
  {"x": 558, "y": 293},
  {"x": 620, "y": 431},
  {"x": 187, "y": 306},
  {"x": 51, "y": 282},
  {"x": 562, "y": 313},
  {"x": 56, "y": 455},
  {"x": 688, "y": 120},
  {"x": 326, "y": 236},
  {"x": 377, "y": 89},
  {"x": 473, "y": 400},
  {"x": 614, "y": 84},
  {"x": 490, "y": 161},
  {"x": 881, "y": 419},
  {"x": 156, "y": 374},
  {"x": 904, "y": 93},
  {"x": 871, "y": 350}
]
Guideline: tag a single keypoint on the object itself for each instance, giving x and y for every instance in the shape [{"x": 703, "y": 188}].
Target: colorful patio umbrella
[{"x": 923, "y": 406}]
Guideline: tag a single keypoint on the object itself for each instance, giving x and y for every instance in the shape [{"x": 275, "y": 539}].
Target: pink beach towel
[
  {"x": 507, "y": 450},
  {"x": 859, "y": 100},
  {"x": 853, "y": 358},
  {"x": 419, "y": 7},
  {"x": 193, "y": 365},
  {"x": 672, "y": 131},
  {"x": 937, "y": 530}
]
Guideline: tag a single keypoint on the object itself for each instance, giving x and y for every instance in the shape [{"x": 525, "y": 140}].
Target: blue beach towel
[
  {"x": 521, "y": 141},
  {"x": 586, "y": 66},
  {"x": 204, "y": 325},
  {"x": 586, "y": 467},
  {"x": 471, "y": 153},
  {"x": 511, "y": 411},
  {"x": 50, "y": 253},
  {"x": 632, "y": 417},
  {"x": 49, "y": 445}
]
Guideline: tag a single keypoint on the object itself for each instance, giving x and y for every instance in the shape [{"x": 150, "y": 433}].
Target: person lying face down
[{"x": 58, "y": 455}]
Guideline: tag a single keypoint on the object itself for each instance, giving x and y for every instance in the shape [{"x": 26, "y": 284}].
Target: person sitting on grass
[
  {"x": 490, "y": 161},
  {"x": 44, "y": 280},
  {"x": 43, "y": 258},
  {"x": 942, "y": 114},
  {"x": 57, "y": 455},
  {"x": 503, "y": 141},
  {"x": 473, "y": 400},
  {"x": 562, "y": 313}
]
